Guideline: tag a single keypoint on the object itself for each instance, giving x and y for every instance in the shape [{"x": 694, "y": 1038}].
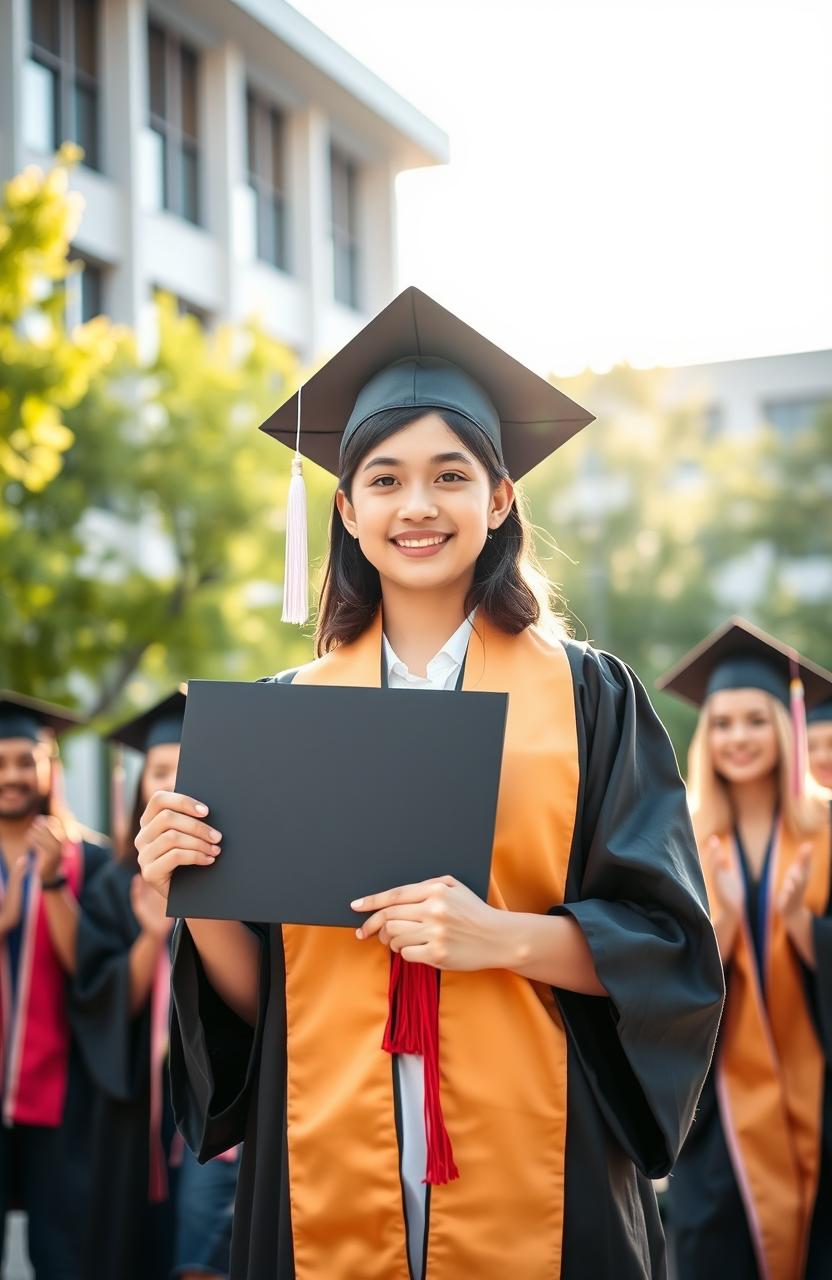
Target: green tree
[
  {"x": 152, "y": 550},
  {"x": 45, "y": 370}
]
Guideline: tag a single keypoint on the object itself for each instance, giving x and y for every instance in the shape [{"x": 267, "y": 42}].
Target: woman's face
[
  {"x": 742, "y": 735},
  {"x": 820, "y": 752},
  {"x": 160, "y": 769},
  {"x": 422, "y": 506}
]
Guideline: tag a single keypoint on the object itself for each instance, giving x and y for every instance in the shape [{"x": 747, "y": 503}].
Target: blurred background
[{"x": 203, "y": 199}]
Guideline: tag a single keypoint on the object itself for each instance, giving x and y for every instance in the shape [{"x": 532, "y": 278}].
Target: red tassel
[{"x": 413, "y": 1027}]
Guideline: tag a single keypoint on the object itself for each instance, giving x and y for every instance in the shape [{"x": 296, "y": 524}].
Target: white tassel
[
  {"x": 296, "y": 568},
  {"x": 296, "y": 575}
]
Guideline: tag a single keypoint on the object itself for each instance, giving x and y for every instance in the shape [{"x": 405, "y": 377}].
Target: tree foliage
[
  {"x": 666, "y": 528},
  {"x": 153, "y": 552}
]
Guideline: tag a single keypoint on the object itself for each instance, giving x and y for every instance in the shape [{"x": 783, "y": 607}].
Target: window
[
  {"x": 83, "y": 290},
  {"x": 61, "y": 76},
  {"x": 345, "y": 254},
  {"x": 184, "y": 307},
  {"x": 173, "y": 72},
  {"x": 266, "y": 151},
  {"x": 790, "y": 416}
]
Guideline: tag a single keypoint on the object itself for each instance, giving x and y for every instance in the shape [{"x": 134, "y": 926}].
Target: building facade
[
  {"x": 787, "y": 392},
  {"x": 235, "y": 157}
]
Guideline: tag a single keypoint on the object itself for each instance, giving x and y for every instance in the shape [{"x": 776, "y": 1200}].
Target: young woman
[
  {"x": 750, "y": 1194},
  {"x": 819, "y": 732},
  {"x": 153, "y": 1210},
  {"x": 578, "y": 1006}
]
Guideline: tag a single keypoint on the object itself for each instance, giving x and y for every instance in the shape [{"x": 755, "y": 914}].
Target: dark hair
[
  {"x": 128, "y": 852},
  {"x": 504, "y": 572}
]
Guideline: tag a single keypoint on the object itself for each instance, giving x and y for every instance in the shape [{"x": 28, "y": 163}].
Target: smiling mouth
[{"x": 411, "y": 543}]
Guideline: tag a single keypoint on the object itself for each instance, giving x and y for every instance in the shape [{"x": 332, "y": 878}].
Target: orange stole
[
  {"x": 770, "y": 1073},
  {"x": 502, "y": 1043}
]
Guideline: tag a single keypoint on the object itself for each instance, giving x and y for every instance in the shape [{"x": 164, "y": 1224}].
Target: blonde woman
[{"x": 751, "y": 1191}]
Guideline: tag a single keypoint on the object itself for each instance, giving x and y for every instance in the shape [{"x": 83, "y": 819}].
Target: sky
[{"x": 640, "y": 180}]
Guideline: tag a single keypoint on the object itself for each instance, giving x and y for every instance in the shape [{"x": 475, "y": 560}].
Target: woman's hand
[
  {"x": 796, "y": 915},
  {"x": 149, "y": 910},
  {"x": 726, "y": 879},
  {"x": 795, "y": 884},
  {"x": 12, "y": 908},
  {"x": 47, "y": 839},
  {"x": 438, "y": 922},
  {"x": 173, "y": 835}
]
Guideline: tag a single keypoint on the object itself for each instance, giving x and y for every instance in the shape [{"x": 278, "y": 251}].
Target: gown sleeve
[
  {"x": 635, "y": 888},
  {"x": 97, "y": 857},
  {"x": 214, "y": 1054},
  {"x": 115, "y": 1045}
]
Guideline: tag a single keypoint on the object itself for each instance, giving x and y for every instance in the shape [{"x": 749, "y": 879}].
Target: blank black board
[{"x": 325, "y": 794}]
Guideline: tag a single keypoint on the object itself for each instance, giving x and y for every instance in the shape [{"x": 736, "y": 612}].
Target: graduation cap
[
  {"x": 161, "y": 723},
  {"x": 24, "y": 717},
  {"x": 414, "y": 354},
  {"x": 739, "y": 655},
  {"x": 821, "y": 713},
  {"x": 158, "y": 725}
]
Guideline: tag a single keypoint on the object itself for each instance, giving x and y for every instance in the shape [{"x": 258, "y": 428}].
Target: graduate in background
[
  {"x": 47, "y": 862},
  {"x": 153, "y": 1210},
  {"x": 751, "y": 1194},
  {"x": 555, "y": 1072},
  {"x": 819, "y": 732}
]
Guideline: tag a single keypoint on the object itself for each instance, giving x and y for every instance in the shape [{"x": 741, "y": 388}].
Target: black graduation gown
[
  {"x": 707, "y": 1224},
  {"x": 636, "y": 1061},
  {"x": 129, "y": 1237},
  {"x": 69, "y": 1168}
]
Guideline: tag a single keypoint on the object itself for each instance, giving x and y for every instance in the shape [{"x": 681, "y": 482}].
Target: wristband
[{"x": 55, "y": 882}]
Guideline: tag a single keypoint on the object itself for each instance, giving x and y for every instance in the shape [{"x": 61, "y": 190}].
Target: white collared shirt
[{"x": 442, "y": 672}]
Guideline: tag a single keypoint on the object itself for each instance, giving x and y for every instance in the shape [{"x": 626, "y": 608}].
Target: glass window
[
  {"x": 345, "y": 252},
  {"x": 790, "y": 416},
  {"x": 86, "y": 36},
  {"x": 184, "y": 307},
  {"x": 62, "y": 91},
  {"x": 92, "y": 292},
  {"x": 188, "y": 66},
  {"x": 40, "y": 104},
  {"x": 156, "y": 70},
  {"x": 83, "y": 291},
  {"x": 173, "y": 90},
  {"x": 265, "y": 148},
  {"x": 45, "y": 25}
]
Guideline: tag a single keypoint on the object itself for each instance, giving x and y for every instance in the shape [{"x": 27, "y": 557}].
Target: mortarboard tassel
[
  {"x": 797, "y": 707},
  {"x": 413, "y": 1027},
  {"x": 296, "y": 570}
]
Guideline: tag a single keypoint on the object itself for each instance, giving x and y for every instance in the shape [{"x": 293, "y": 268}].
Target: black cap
[
  {"x": 417, "y": 354},
  {"x": 821, "y": 713},
  {"x": 23, "y": 717},
  {"x": 159, "y": 724},
  {"x": 739, "y": 655}
]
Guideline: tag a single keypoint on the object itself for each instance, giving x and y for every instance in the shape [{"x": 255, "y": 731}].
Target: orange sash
[
  {"x": 770, "y": 1075},
  {"x": 503, "y": 1047}
]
